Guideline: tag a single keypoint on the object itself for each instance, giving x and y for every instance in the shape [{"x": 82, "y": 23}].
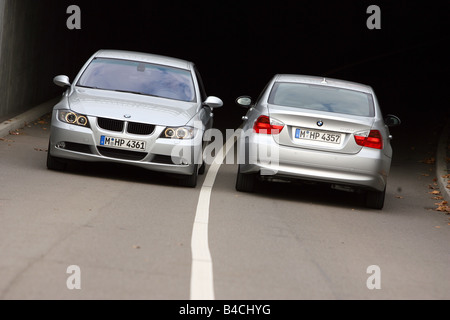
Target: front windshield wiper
[
  {"x": 123, "y": 91},
  {"x": 136, "y": 92},
  {"x": 127, "y": 91},
  {"x": 117, "y": 90},
  {"x": 88, "y": 87}
]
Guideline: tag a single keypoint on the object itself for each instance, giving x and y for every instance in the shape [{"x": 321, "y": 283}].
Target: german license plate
[
  {"x": 122, "y": 143},
  {"x": 323, "y": 136}
]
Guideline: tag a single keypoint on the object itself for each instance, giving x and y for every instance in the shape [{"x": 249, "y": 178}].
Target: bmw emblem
[
  {"x": 320, "y": 123},
  {"x": 127, "y": 116}
]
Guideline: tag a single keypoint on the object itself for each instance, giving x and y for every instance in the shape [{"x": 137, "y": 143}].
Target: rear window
[
  {"x": 139, "y": 77},
  {"x": 321, "y": 98}
]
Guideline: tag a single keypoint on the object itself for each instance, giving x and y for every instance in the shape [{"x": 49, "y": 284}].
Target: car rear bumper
[{"x": 368, "y": 169}]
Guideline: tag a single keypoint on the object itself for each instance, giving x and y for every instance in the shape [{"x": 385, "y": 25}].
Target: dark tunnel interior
[{"x": 238, "y": 46}]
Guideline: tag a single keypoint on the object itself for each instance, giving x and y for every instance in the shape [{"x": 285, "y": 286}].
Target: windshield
[
  {"x": 140, "y": 78},
  {"x": 321, "y": 98}
]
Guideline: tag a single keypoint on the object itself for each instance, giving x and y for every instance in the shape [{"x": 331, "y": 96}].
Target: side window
[{"x": 200, "y": 85}]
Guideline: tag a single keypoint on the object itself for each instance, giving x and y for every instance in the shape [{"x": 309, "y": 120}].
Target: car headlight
[
  {"x": 73, "y": 118},
  {"x": 180, "y": 133}
]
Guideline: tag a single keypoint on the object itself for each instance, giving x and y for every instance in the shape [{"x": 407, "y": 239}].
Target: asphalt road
[{"x": 130, "y": 232}]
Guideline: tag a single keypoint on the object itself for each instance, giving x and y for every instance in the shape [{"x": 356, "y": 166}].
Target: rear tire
[
  {"x": 375, "y": 199},
  {"x": 245, "y": 182}
]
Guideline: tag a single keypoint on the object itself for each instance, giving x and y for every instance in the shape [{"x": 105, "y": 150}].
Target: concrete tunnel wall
[{"x": 29, "y": 38}]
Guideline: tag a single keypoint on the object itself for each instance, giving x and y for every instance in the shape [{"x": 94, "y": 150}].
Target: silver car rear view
[
  {"x": 133, "y": 108},
  {"x": 316, "y": 129}
]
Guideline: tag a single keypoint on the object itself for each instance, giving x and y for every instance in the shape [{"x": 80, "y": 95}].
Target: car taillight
[
  {"x": 372, "y": 140},
  {"x": 265, "y": 125}
]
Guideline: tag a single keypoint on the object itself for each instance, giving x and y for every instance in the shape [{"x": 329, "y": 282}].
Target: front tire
[
  {"x": 202, "y": 169},
  {"x": 191, "y": 180},
  {"x": 54, "y": 163}
]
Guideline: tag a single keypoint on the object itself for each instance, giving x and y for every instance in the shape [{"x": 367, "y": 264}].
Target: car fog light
[{"x": 61, "y": 145}]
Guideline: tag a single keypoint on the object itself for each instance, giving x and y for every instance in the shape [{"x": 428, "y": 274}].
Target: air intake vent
[{"x": 121, "y": 154}]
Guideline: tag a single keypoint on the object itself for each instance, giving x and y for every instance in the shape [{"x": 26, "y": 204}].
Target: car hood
[{"x": 131, "y": 107}]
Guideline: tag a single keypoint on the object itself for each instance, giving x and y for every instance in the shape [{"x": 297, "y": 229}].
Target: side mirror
[
  {"x": 213, "y": 102},
  {"x": 62, "y": 81},
  {"x": 392, "y": 121},
  {"x": 244, "y": 101}
]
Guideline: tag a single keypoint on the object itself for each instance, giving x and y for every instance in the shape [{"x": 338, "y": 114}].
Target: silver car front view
[
  {"x": 133, "y": 108},
  {"x": 320, "y": 130}
]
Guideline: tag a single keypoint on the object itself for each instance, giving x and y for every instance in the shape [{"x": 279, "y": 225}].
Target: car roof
[
  {"x": 144, "y": 57},
  {"x": 323, "y": 81}
]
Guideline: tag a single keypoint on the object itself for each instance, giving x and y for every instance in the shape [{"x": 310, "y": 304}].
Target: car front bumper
[{"x": 164, "y": 155}]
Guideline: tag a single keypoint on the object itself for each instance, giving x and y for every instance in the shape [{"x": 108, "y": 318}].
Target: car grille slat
[
  {"x": 140, "y": 128},
  {"x": 110, "y": 124},
  {"x": 132, "y": 127}
]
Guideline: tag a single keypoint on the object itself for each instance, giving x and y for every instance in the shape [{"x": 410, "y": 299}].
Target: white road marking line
[{"x": 202, "y": 283}]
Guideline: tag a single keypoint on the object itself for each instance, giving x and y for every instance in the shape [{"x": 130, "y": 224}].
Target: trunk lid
[{"x": 319, "y": 130}]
